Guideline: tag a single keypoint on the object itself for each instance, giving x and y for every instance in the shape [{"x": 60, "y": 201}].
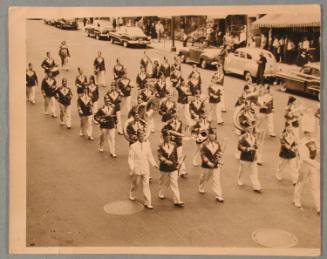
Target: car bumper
[{"x": 139, "y": 42}]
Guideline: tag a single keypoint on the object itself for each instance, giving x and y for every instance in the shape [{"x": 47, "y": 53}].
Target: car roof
[
  {"x": 315, "y": 65},
  {"x": 256, "y": 51}
]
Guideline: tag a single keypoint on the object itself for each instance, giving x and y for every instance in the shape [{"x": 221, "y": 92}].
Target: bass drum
[{"x": 236, "y": 116}]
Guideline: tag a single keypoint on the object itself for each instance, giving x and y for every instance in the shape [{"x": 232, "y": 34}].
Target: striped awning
[{"x": 287, "y": 20}]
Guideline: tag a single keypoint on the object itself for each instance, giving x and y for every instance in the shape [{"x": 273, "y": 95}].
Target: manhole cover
[
  {"x": 274, "y": 238},
  {"x": 123, "y": 207}
]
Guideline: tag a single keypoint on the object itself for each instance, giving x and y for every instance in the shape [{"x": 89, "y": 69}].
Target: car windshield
[{"x": 133, "y": 30}]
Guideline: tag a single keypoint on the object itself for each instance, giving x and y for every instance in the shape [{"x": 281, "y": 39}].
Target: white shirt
[{"x": 140, "y": 155}]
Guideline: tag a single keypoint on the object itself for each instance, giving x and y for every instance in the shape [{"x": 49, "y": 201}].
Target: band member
[
  {"x": 139, "y": 108},
  {"x": 160, "y": 87},
  {"x": 94, "y": 93},
  {"x": 106, "y": 117},
  {"x": 99, "y": 69},
  {"x": 125, "y": 87},
  {"x": 309, "y": 170},
  {"x": 85, "y": 107},
  {"x": 184, "y": 92},
  {"x": 114, "y": 95},
  {"x": 167, "y": 108},
  {"x": 175, "y": 128},
  {"x": 80, "y": 81},
  {"x": 145, "y": 60},
  {"x": 141, "y": 78},
  {"x": 165, "y": 68},
  {"x": 64, "y": 96},
  {"x": 176, "y": 64},
  {"x": 48, "y": 89},
  {"x": 194, "y": 80},
  {"x": 196, "y": 107},
  {"x": 156, "y": 69},
  {"x": 31, "y": 83},
  {"x": 220, "y": 77},
  {"x": 288, "y": 154},
  {"x": 248, "y": 94},
  {"x": 215, "y": 92},
  {"x": 248, "y": 146},
  {"x": 266, "y": 110},
  {"x": 211, "y": 153},
  {"x": 146, "y": 95},
  {"x": 64, "y": 54},
  {"x": 168, "y": 166},
  {"x": 293, "y": 115},
  {"x": 49, "y": 65},
  {"x": 176, "y": 77},
  {"x": 119, "y": 70},
  {"x": 139, "y": 157},
  {"x": 133, "y": 125}
]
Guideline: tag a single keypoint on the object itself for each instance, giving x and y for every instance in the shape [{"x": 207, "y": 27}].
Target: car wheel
[
  {"x": 182, "y": 58},
  {"x": 97, "y": 36},
  {"x": 203, "y": 64},
  {"x": 112, "y": 40},
  {"x": 282, "y": 87},
  {"x": 247, "y": 74},
  {"x": 125, "y": 44}
]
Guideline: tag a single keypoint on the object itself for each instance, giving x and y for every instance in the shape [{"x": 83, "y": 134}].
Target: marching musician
[
  {"x": 64, "y": 96},
  {"x": 144, "y": 60},
  {"x": 211, "y": 153},
  {"x": 167, "y": 108},
  {"x": 248, "y": 146},
  {"x": 309, "y": 170},
  {"x": 64, "y": 54},
  {"x": 220, "y": 79},
  {"x": 155, "y": 69},
  {"x": 247, "y": 94},
  {"x": 168, "y": 166},
  {"x": 194, "y": 80},
  {"x": 133, "y": 125},
  {"x": 80, "y": 81},
  {"x": 196, "y": 107},
  {"x": 176, "y": 64},
  {"x": 31, "y": 83},
  {"x": 175, "y": 128},
  {"x": 99, "y": 69},
  {"x": 184, "y": 92},
  {"x": 48, "y": 89},
  {"x": 114, "y": 95},
  {"x": 266, "y": 110},
  {"x": 176, "y": 77},
  {"x": 293, "y": 115},
  {"x": 165, "y": 68},
  {"x": 141, "y": 78},
  {"x": 94, "y": 93},
  {"x": 215, "y": 91},
  {"x": 139, "y": 108},
  {"x": 85, "y": 107},
  {"x": 49, "y": 65},
  {"x": 119, "y": 70},
  {"x": 125, "y": 87},
  {"x": 139, "y": 157},
  {"x": 106, "y": 117},
  {"x": 160, "y": 88},
  {"x": 288, "y": 154},
  {"x": 146, "y": 95}
]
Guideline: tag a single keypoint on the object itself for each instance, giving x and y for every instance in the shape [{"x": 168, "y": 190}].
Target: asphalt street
[{"x": 69, "y": 181}]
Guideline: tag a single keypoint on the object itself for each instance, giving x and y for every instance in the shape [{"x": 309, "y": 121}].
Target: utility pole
[{"x": 173, "y": 48}]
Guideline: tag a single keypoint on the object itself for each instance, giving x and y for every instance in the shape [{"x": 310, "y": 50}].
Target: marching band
[{"x": 157, "y": 85}]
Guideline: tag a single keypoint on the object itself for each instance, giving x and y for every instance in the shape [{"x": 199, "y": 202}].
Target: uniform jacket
[
  {"x": 165, "y": 69},
  {"x": 115, "y": 98},
  {"x": 168, "y": 152},
  {"x": 218, "y": 77},
  {"x": 266, "y": 103},
  {"x": 141, "y": 79},
  {"x": 84, "y": 105},
  {"x": 196, "y": 107},
  {"x": 288, "y": 146},
  {"x": 49, "y": 88},
  {"x": 195, "y": 84},
  {"x": 47, "y": 65},
  {"x": 31, "y": 78},
  {"x": 63, "y": 51},
  {"x": 161, "y": 89},
  {"x": 215, "y": 92},
  {"x": 99, "y": 64},
  {"x": 119, "y": 71},
  {"x": 177, "y": 126},
  {"x": 210, "y": 152},
  {"x": 183, "y": 94},
  {"x": 124, "y": 85},
  {"x": 292, "y": 116},
  {"x": 167, "y": 109},
  {"x": 64, "y": 95},
  {"x": 106, "y": 117},
  {"x": 81, "y": 83},
  {"x": 132, "y": 128},
  {"x": 94, "y": 92},
  {"x": 176, "y": 78},
  {"x": 247, "y": 144}
]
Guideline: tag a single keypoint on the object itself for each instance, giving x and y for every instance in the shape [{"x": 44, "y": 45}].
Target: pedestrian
[
  {"x": 64, "y": 96},
  {"x": 119, "y": 70},
  {"x": 99, "y": 69},
  {"x": 80, "y": 81},
  {"x": 309, "y": 170},
  {"x": 261, "y": 69},
  {"x": 48, "y": 89},
  {"x": 215, "y": 91},
  {"x": 288, "y": 154},
  {"x": 31, "y": 83},
  {"x": 211, "y": 153},
  {"x": 49, "y": 65},
  {"x": 159, "y": 30},
  {"x": 64, "y": 54},
  {"x": 168, "y": 166},
  {"x": 141, "y": 78},
  {"x": 106, "y": 117},
  {"x": 125, "y": 87},
  {"x": 94, "y": 93},
  {"x": 85, "y": 108},
  {"x": 139, "y": 157},
  {"x": 248, "y": 146}
]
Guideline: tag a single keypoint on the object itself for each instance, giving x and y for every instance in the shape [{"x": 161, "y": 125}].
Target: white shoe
[
  {"x": 220, "y": 199},
  {"x": 62, "y": 123},
  {"x": 202, "y": 191},
  {"x": 278, "y": 177},
  {"x": 81, "y": 134},
  {"x": 131, "y": 196},
  {"x": 161, "y": 196},
  {"x": 100, "y": 149},
  {"x": 239, "y": 182},
  {"x": 297, "y": 204}
]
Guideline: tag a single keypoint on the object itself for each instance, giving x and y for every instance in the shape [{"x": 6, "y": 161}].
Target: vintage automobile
[
  {"x": 70, "y": 24},
  {"x": 244, "y": 62},
  {"x": 200, "y": 54},
  {"x": 100, "y": 29},
  {"x": 129, "y": 36},
  {"x": 306, "y": 80}
]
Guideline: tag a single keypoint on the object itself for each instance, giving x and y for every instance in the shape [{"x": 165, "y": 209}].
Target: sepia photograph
[{"x": 166, "y": 130}]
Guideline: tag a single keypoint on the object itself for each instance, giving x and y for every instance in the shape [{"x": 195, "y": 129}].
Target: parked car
[
  {"x": 306, "y": 80},
  {"x": 67, "y": 24},
  {"x": 130, "y": 36},
  {"x": 200, "y": 54},
  {"x": 100, "y": 29},
  {"x": 244, "y": 61}
]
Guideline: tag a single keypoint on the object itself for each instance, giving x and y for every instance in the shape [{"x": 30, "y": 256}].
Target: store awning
[
  {"x": 289, "y": 20},
  {"x": 219, "y": 16}
]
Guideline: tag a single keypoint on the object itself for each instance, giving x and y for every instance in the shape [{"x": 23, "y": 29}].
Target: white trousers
[
  {"x": 65, "y": 115},
  {"x": 267, "y": 121},
  {"x": 184, "y": 109},
  {"x": 288, "y": 165},
  {"x": 119, "y": 122},
  {"x": 136, "y": 180},
  {"x": 109, "y": 135},
  {"x": 49, "y": 105},
  {"x": 169, "y": 179},
  {"x": 311, "y": 175},
  {"x": 222, "y": 101},
  {"x": 86, "y": 125},
  {"x": 215, "y": 108},
  {"x": 150, "y": 120},
  {"x": 30, "y": 93},
  {"x": 179, "y": 154},
  {"x": 197, "y": 154},
  {"x": 127, "y": 102},
  {"x": 95, "y": 107},
  {"x": 213, "y": 174},
  {"x": 252, "y": 169},
  {"x": 100, "y": 78}
]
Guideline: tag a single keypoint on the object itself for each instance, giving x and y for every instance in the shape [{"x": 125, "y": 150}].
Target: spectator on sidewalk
[{"x": 159, "y": 30}]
